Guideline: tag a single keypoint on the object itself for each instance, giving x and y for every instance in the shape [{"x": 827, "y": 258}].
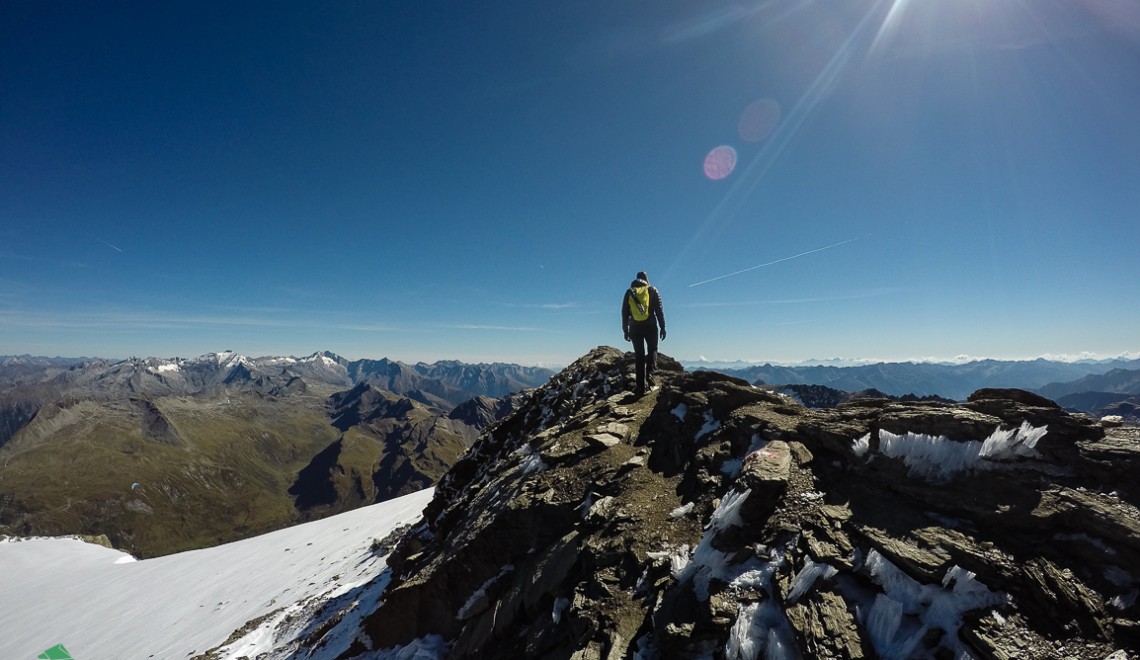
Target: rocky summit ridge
[{"x": 710, "y": 518}]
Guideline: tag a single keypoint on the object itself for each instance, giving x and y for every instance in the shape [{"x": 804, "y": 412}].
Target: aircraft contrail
[
  {"x": 794, "y": 256},
  {"x": 93, "y": 236}
]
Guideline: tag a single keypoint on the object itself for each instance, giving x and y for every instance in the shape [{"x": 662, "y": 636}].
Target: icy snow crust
[
  {"x": 759, "y": 626},
  {"x": 896, "y": 619},
  {"x": 709, "y": 426},
  {"x": 898, "y": 615},
  {"x": 907, "y": 610},
  {"x": 937, "y": 458},
  {"x": 99, "y": 604}
]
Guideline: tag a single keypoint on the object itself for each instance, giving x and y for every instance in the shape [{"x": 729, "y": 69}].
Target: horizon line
[{"x": 838, "y": 362}]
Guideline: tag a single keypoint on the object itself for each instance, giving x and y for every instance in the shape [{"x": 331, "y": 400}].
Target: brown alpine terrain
[
  {"x": 157, "y": 456},
  {"x": 710, "y": 518}
]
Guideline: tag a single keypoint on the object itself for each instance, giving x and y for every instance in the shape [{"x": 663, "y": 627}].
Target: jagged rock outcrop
[
  {"x": 483, "y": 411},
  {"x": 713, "y": 519}
]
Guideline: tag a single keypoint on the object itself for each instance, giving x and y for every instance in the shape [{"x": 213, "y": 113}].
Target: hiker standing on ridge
[{"x": 641, "y": 312}]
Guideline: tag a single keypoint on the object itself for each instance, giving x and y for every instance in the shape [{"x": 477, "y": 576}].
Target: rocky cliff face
[
  {"x": 389, "y": 446},
  {"x": 713, "y": 519}
]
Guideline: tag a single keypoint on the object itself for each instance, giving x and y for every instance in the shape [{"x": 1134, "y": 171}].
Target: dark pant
[{"x": 644, "y": 337}]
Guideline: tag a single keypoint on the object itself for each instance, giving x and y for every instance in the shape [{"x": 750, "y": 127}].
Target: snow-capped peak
[
  {"x": 326, "y": 358},
  {"x": 225, "y": 359},
  {"x": 157, "y": 366}
]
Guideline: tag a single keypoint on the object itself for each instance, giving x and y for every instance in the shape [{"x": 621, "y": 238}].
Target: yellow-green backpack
[{"x": 639, "y": 302}]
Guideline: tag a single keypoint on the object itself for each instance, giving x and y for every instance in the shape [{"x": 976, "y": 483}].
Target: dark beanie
[{"x": 642, "y": 276}]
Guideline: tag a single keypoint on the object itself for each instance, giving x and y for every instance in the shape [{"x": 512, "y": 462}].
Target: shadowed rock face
[
  {"x": 389, "y": 446},
  {"x": 712, "y": 519}
]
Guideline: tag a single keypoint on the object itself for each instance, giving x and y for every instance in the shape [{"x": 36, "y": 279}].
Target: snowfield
[{"x": 101, "y": 604}]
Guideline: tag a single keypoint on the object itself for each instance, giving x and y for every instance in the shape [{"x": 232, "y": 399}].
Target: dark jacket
[{"x": 656, "y": 312}]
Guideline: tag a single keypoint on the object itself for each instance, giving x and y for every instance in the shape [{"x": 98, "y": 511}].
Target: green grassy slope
[{"x": 209, "y": 469}]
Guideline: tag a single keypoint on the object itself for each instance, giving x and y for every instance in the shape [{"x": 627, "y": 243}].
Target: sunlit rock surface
[{"x": 712, "y": 519}]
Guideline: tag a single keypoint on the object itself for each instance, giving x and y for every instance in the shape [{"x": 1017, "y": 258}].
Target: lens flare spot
[
  {"x": 759, "y": 120},
  {"x": 720, "y": 162}
]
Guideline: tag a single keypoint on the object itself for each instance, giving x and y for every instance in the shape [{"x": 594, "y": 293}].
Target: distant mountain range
[
  {"x": 450, "y": 381},
  {"x": 1115, "y": 393},
  {"x": 1104, "y": 388},
  {"x": 953, "y": 381},
  {"x": 822, "y": 396},
  {"x": 1116, "y": 381},
  {"x": 162, "y": 455}
]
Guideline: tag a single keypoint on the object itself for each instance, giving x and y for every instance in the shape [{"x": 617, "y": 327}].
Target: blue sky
[{"x": 481, "y": 181}]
